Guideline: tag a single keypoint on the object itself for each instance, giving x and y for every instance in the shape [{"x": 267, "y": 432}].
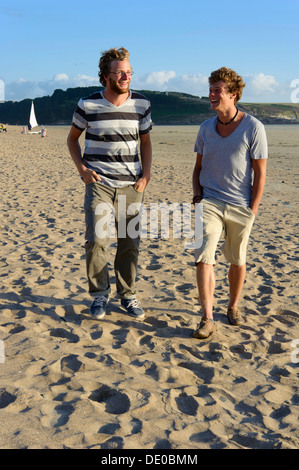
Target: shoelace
[
  {"x": 133, "y": 303},
  {"x": 100, "y": 301}
]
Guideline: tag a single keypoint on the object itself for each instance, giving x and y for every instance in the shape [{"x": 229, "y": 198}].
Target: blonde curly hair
[
  {"x": 233, "y": 81},
  {"x": 107, "y": 57}
]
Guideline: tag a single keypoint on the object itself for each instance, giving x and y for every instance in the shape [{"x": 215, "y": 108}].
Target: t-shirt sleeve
[
  {"x": 198, "y": 147},
  {"x": 259, "y": 144},
  {"x": 79, "y": 116},
  {"x": 145, "y": 123}
]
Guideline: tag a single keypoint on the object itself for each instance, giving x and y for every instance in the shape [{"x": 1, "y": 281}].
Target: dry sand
[{"x": 68, "y": 381}]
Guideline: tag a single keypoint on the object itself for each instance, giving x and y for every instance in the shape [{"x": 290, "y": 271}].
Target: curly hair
[
  {"x": 107, "y": 57},
  {"x": 233, "y": 81}
]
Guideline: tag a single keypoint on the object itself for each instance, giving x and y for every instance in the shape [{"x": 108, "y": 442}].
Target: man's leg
[
  {"x": 236, "y": 278},
  {"x": 206, "y": 287},
  {"x": 239, "y": 221},
  {"x": 205, "y": 260},
  {"x": 127, "y": 207},
  {"x": 98, "y": 199}
]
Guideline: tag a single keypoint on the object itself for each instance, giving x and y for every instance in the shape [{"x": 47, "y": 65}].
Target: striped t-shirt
[{"x": 112, "y": 133}]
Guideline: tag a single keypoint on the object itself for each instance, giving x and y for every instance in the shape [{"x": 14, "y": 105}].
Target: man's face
[
  {"x": 220, "y": 96},
  {"x": 119, "y": 77}
]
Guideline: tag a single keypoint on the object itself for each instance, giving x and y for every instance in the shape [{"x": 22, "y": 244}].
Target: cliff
[{"x": 167, "y": 108}]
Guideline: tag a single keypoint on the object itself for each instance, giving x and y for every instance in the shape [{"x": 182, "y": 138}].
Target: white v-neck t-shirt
[{"x": 226, "y": 172}]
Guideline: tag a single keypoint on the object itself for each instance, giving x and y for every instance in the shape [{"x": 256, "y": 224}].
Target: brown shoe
[
  {"x": 206, "y": 329},
  {"x": 234, "y": 316}
]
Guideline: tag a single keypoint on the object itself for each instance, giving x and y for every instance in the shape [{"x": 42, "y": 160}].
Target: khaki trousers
[
  {"x": 121, "y": 206},
  {"x": 232, "y": 222}
]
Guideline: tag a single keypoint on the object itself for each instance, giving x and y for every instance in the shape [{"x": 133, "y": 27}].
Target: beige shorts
[{"x": 222, "y": 220}]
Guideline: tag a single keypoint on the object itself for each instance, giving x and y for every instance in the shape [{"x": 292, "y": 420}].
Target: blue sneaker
[
  {"x": 98, "y": 307},
  {"x": 133, "y": 308}
]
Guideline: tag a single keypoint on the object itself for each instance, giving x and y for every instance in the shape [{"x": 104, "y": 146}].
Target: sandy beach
[{"x": 68, "y": 381}]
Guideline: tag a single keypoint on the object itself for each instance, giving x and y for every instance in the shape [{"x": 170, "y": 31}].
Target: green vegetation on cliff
[{"x": 167, "y": 108}]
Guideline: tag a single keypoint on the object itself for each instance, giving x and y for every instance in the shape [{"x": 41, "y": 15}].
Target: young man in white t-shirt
[{"x": 228, "y": 179}]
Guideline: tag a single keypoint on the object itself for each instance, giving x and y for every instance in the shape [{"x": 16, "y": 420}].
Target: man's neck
[
  {"x": 115, "y": 98},
  {"x": 227, "y": 115}
]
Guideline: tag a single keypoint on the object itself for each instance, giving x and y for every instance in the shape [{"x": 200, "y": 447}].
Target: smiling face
[
  {"x": 119, "y": 77},
  {"x": 220, "y": 98}
]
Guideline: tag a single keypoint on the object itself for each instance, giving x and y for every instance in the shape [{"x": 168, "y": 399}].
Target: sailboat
[
  {"x": 33, "y": 123},
  {"x": 32, "y": 118}
]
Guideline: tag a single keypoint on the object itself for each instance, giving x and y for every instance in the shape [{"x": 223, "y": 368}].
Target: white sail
[{"x": 32, "y": 119}]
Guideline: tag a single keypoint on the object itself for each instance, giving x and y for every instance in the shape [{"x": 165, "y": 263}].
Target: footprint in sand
[
  {"x": 184, "y": 287},
  {"x": 204, "y": 373},
  {"x": 63, "y": 411},
  {"x": 116, "y": 401},
  {"x": 56, "y": 416},
  {"x": 6, "y": 398},
  {"x": 187, "y": 404},
  {"x": 62, "y": 333},
  {"x": 70, "y": 364}
]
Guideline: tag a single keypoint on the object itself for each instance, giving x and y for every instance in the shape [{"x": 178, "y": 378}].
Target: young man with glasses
[{"x": 116, "y": 121}]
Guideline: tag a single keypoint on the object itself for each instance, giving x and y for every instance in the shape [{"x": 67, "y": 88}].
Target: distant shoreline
[{"x": 288, "y": 124}]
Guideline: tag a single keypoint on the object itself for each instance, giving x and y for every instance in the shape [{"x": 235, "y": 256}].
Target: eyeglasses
[{"x": 121, "y": 73}]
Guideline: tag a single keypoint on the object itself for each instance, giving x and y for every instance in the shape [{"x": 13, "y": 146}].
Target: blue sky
[{"x": 174, "y": 45}]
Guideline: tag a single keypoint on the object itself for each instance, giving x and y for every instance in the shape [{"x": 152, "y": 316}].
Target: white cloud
[
  {"x": 21, "y": 89},
  {"x": 196, "y": 84},
  {"x": 261, "y": 84},
  {"x": 63, "y": 81},
  {"x": 61, "y": 77},
  {"x": 259, "y": 87},
  {"x": 157, "y": 80}
]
